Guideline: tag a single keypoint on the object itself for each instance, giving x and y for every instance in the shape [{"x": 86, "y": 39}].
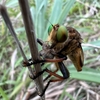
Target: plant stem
[{"x": 24, "y": 6}]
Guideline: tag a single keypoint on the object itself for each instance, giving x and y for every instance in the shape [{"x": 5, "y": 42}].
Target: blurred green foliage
[{"x": 43, "y": 13}]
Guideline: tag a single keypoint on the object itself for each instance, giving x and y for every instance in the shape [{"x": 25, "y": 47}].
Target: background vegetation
[{"x": 83, "y": 15}]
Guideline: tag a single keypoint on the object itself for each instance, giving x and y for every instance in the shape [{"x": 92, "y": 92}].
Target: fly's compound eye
[
  {"x": 50, "y": 29},
  {"x": 62, "y": 34}
]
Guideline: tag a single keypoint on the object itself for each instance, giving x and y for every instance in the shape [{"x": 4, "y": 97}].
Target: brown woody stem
[{"x": 24, "y": 6}]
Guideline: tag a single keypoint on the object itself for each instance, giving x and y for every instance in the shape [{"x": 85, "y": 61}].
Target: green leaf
[
  {"x": 16, "y": 89},
  {"x": 4, "y": 96},
  {"x": 65, "y": 11},
  {"x": 87, "y": 74},
  {"x": 38, "y": 14},
  {"x": 12, "y": 3},
  {"x": 56, "y": 11}
]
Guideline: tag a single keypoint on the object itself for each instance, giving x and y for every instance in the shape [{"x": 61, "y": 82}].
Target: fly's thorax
[
  {"x": 58, "y": 47},
  {"x": 74, "y": 34}
]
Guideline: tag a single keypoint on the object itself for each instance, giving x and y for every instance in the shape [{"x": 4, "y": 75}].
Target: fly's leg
[
  {"x": 41, "y": 61},
  {"x": 64, "y": 71},
  {"x": 40, "y": 41},
  {"x": 30, "y": 62}
]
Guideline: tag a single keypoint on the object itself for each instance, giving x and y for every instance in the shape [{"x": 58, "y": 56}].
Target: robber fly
[
  {"x": 67, "y": 41},
  {"x": 62, "y": 42}
]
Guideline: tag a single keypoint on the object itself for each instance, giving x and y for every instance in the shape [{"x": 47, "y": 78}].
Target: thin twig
[
  {"x": 7, "y": 20},
  {"x": 31, "y": 39}
]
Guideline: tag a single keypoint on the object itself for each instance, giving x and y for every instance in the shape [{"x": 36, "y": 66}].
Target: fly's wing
[{"x": 77, "y": 57}]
